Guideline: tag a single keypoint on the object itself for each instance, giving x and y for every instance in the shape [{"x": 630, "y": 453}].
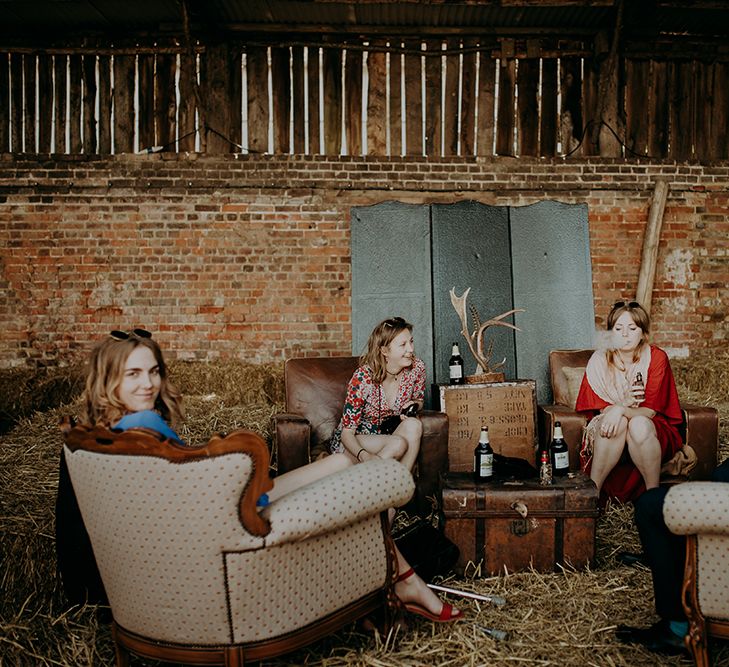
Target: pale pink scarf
[{"x": 612, "y": 386}]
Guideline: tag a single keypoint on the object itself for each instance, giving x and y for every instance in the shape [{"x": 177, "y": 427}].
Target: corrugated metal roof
[{"x": 19, "y": 17}]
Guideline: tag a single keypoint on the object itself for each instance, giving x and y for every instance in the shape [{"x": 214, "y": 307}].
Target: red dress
[{"x": 624, "y": 482}]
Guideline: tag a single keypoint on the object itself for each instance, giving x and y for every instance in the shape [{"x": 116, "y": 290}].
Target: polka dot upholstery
[
  {"x": 340, "y": 499},
  {"x": 289, "y": 586},
  {"x": 178, "y": 566},
  {"x": 695, "y": 508},
  {"x": 702, "y": 509}
]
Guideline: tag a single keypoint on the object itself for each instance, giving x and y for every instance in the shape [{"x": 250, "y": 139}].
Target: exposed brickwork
[{"x": 249, "y": 256}]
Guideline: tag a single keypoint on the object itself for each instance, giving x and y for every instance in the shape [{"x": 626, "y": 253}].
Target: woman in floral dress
[{"x": 390, "y": 379}]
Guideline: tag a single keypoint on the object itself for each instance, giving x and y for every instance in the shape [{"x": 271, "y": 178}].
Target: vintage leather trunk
[{"x": 515, "y": 525}]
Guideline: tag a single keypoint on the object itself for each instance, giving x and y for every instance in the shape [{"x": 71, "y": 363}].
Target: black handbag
[
  {"x": 427, "y": 549},
  {"x": 511, "y": 467},
  {"x": 389, "y": 424}
]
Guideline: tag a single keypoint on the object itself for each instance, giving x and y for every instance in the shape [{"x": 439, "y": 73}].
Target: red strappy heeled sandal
[{"x": 447, "y": 613}]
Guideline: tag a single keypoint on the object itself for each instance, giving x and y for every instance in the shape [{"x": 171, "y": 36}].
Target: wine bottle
[
  {"x": 638, "y": 388},
  {"x": 483, "y": 457},
  {"x": 559, "y": 452},
  {"x": 545, "y": 469},
  {"x": 455, "y": 366}
]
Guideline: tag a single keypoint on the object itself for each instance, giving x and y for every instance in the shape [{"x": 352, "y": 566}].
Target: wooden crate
[{"x": 509, "y": 410}]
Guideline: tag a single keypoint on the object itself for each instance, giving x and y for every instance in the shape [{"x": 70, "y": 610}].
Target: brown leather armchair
[
  {"x": 700, "y": 427},
  {"x": 315, "y": 390}
]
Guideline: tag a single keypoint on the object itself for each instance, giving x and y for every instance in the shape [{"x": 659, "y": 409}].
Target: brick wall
[{"x": 249, "y": 256}]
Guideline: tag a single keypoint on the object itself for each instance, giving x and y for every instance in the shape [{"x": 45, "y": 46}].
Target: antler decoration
[{"x": 475, "y": 340}]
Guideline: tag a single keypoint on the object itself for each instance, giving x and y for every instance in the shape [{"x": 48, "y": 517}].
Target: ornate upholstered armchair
[
  {"x": 700, "y": 427},
  {"x": 700, "y": 510},
  {"x": 195, "y": 574},
  {"x": 315, "y": 392}
]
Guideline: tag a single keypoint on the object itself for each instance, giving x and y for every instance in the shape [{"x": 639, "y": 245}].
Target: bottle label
[
  {"x": 485, "y": 465},
  {"x": 561, "y": 460},
  {"x": 456, "y": 371}
]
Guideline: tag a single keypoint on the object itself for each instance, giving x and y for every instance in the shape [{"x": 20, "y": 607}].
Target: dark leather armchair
[
  {"x": 315, "y": 390},
  {"x": 700, "y": 427}
]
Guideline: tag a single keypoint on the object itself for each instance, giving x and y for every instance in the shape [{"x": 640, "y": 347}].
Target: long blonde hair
[
  {"x": 642, "y": 320},
  {"x": 105, "y": 372},
  {"x": 382, "y": 335}
]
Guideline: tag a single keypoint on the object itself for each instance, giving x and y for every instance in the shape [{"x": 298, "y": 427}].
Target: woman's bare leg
[
  {"x": 414, "y": 590},
  {"x": 384, "y": 446},
  {"x": 295, "y": 479},
  {"x": 412, "y": 430},
  {"x": 606, "y": 453},
  {"x": 645, "y": 450}
]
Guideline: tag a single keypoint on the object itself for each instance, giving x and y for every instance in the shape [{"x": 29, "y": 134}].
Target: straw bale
[
  {"x": 565, "y": 618},
  {"x": 24, "y": 391}
]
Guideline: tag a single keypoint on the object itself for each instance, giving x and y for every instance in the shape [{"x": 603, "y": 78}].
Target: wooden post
[
  {"x": 5, "y": 104},
  {"x": 486, "y": 99},
  {"x": 396, "y": 93},
  {"x": 433, "y": 66},
  {"x": 376, "y": 102},
  {"x": 650, "y": 246}
]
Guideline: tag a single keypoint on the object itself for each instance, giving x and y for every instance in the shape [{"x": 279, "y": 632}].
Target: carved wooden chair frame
[
  {"x": 143, "y": 442},
  {"x": 700, "y": 628}
]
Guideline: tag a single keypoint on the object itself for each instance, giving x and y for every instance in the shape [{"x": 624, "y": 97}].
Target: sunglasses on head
[
  {"x": 629, "y": 304},
  {"x": 116, "y": 334},
  {"x": 394, "y": 322}
]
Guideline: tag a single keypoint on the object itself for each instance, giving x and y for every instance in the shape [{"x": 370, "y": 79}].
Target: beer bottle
[
  {"x": 483, "y": 457},
  {"x": 639, "y": 388},
  {"x": 545, "y": 469},
  {"x": 455, "y": 366},
  {"x": 559, "y": 452}
]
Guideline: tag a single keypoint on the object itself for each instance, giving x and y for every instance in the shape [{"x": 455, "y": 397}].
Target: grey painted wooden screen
[{"x": 406, "y": 258}]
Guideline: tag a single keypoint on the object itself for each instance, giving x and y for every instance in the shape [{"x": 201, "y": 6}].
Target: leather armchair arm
[
  {"x": 433, "y": 456},
  {"x": 291, "y": 439},
  {"x": 696, "y": 508},
  {"x": 573, "y": 424},
  {"x": 338, "y": 500},
  {"x": 701, "y": 431}
]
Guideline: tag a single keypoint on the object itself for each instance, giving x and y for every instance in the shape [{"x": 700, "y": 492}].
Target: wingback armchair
[
  {"x": 700, "y": 510},
  {"x": 194, "y": 573},
  {"x": 315, "y": 390},
  {"x": 700, "y": 427}
]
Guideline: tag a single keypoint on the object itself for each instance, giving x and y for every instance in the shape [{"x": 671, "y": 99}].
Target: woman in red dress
[{"x": 622, "y": 411}]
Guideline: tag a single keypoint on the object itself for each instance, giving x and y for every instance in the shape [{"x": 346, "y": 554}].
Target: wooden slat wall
[
  {"x": 396, "y": 97},
  {"x": 297, "y": 55},
  {"x": 74, "y": 101},
  {"x": 486, "y": 105},
  {"x": 332, "y": 96},
  {"x": 105, "y": 103},
  {"x": 451, "y": 110},
  {"x": 505, "y": 118},
  {"x": 377, "y": 101},
  {"x": 313, "y": 99},
  {"x": 433, "y": 117},
  {"x": 475, "y": 95},
  {"x": 16, "y": 101},
  {"x": 413, "y": 98},
  {"x": 548, "y": 115},
  {"x": 89, "y": 104},
  {"x": 528, "y": 109},
  {"x": 4, "y": 104},
  {"x": 468, "y": 99},
  {"x": 353, "y": 102},
  {"x": 281, "y": 82},
  {"x": 636, "y": 127},
  {"x": 29, "y": 102}
]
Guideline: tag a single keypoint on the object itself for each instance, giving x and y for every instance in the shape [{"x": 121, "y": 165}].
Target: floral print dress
[{"x": 365, "y": 406}]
